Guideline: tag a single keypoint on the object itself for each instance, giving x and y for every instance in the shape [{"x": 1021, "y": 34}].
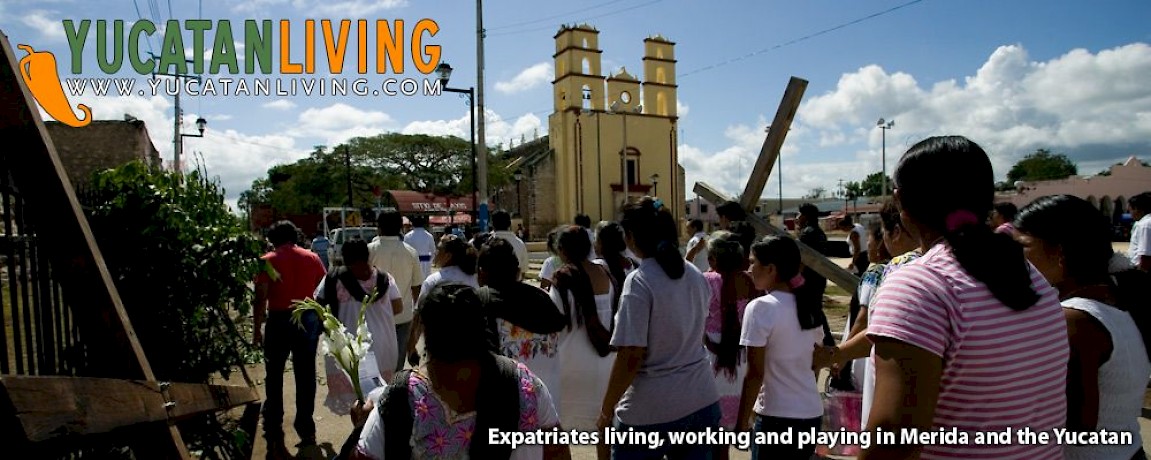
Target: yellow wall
[{"x": 588, "y": 141}]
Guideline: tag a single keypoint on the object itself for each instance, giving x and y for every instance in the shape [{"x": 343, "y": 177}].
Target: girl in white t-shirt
[{"x": 779, "y": 335}]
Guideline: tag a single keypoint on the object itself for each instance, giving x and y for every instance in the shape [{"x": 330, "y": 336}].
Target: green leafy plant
[{"x": 181, "y": 262}]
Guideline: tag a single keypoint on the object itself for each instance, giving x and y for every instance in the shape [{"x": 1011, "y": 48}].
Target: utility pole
[{"x": 482, "y": 151}]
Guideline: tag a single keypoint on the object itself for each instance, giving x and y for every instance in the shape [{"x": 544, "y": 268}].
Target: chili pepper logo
[{"x": 38, "y": 69}]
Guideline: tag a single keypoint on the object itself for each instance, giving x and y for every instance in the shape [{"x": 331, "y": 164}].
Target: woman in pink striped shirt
[{"x": 969, "y": 338}]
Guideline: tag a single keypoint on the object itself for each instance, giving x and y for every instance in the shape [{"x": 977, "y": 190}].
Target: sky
[{"x": 1014, "y": 76}]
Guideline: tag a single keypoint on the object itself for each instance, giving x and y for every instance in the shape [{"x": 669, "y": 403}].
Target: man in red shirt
[{"x": 291, "y": 273}]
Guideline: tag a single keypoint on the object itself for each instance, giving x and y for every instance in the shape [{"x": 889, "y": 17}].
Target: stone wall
[{"x": 103, "y": 144}]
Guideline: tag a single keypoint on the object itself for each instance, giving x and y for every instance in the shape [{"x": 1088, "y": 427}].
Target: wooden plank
[
  {"x": 41, "y": 178},
  {"x": 53, "y": 406},
  {"x": 811, "y": 258},
  {"x": 769, "y": 152}
]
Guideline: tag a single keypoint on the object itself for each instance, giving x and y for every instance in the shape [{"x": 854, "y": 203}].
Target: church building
[{"x": 611, "y": 139}]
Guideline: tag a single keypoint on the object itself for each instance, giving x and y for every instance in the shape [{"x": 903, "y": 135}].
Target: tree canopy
[
  {"x": 872, "y": 185},
  {"x": 1042, "y": 165},
  {"x": 439, "y": 164}
]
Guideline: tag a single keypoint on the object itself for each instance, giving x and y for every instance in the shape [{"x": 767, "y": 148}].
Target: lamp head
[
  {"x": 654, "y": 178},
  {"x": 201, "y": 124},
  {"x": 878, "y": 123},
  {"x": 638, "y": 109},
  {"x": 615, "y": 106},
  {"x": 518, "y": 175},
  {"x": 445, "y": 72}
]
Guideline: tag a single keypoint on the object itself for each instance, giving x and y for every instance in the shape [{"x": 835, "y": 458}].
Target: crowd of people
[{"x": 968, "y": 316}]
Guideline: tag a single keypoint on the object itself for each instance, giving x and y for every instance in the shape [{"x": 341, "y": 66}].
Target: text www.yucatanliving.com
[{"x": 254, "y": 86}]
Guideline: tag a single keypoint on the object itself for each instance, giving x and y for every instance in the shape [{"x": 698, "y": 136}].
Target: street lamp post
[
  {"x": 655, "y": 184},
  {"x": 201, "y": 124},
  {"x": 519, "y": 177},
  {"x": 884, "y": 125},
  {"x": 445, "y": 72}
]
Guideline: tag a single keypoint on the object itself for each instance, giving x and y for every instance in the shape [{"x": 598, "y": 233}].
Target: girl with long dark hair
[
  {"x": 446, "y": 407},
  {"x": 779, "y": 334},
  {"x": 612, "y": 250},
  {"x": 970, "y": 336},
  {"x": 584, "y": 292},
  {"x": 731, "y": 289},
  {"x": 1069, "y": 241},
  {"x": 661, "y": 380}
]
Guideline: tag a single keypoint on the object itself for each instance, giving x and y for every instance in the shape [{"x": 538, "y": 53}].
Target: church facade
[{"x": 611, "y": 139}]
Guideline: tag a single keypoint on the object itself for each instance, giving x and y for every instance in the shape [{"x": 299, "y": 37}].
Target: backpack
[
  {"x": 498, "y": 408},
  {"x": 345, "y": 276}
]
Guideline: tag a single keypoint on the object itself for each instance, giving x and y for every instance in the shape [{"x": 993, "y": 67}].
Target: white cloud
[
  {"x": 280, "y": 104},
  {"x": 339, "y": 122},
  {"x": 681, "y": 109},
  {"x": 1092, "y": 106},
  {"x": 498, "y": 131},
  {"x": 527, "y": 79},
  {"x": 1086, "y": 105},
  {"x": 47, "y": 23},
  {"x": 235, "y": 158}
]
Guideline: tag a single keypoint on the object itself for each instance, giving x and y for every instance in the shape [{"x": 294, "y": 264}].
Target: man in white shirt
[
  {"x": 857, "y": 244},
  {"x": 1140, "y": 249},
  {"x": 392, "y": 256},
  {"x": 502, "y": 223},
  {"x": 423, "y": 242},
  {"x": 697, "y": 246}
]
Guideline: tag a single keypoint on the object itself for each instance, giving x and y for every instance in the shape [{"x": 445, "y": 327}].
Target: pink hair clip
[
  {"x": 960, "y": 218},
  {"x": 796, "y": 282}
]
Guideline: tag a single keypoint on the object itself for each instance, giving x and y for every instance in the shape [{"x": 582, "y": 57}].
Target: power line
[
  {"x": 781, "y": 45},
  {"x": 800, "y": 39},
  {"x": 533, "y": 21},
  {"x": 552, "y": 27},
  {"x": 136, "y": 4}
]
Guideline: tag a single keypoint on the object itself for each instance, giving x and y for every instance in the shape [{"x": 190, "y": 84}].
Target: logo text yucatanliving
[{"x": 266, "y": 49}]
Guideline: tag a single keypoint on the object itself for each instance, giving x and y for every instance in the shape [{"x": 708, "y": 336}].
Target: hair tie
[
  {"x": 796, "y": 282},
  {"x": 959, "y": 218}
]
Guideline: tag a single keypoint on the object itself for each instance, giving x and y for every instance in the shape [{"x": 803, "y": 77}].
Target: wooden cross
[
  {"x": 126, "y": 393},
  {"x": 768, "y": 154}
]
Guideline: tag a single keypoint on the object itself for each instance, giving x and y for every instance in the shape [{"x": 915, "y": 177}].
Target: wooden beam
[
  {"x": 810, "y": 257},
  {"x": 769, "y": 152},
  {"x": 41, "y": 179},
  {"x": 48, "y": 407}
]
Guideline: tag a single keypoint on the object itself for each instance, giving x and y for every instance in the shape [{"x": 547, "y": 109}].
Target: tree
[
  {"x": 872, "y": 185},
  {"x": 1042, "y": 165},
  {"x": 853, "y": 190},
  {"x": 439, "y": 164},
  {"x": 815, "y": 193}
]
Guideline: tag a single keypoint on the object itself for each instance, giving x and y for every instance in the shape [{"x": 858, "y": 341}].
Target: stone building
[
  {"x": 103, "y": 144},
  {"x": 611, "y": 140}
]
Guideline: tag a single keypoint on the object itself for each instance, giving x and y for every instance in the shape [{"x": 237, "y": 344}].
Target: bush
[{"x": 181, "y": 262}]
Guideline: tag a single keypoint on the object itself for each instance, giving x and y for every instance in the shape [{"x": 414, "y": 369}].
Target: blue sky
[{"x": 1014, "y": 76}]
